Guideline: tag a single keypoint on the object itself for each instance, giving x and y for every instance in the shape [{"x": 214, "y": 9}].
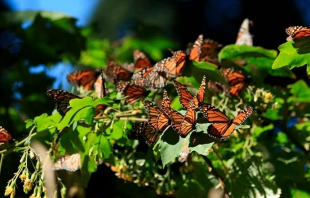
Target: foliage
[{"x": 253, "y": 162}]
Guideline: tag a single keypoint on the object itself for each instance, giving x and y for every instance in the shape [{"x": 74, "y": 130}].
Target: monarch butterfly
[
  {"x": 157, "y": 79},
  {"x": 61, "y": 99},
  {"x": 236, "y": 80},
  {"x": 244, "y": 37},
  {"x": 186, "y": 97},
  {"x": 209, "y": 51},
  {"x": 141, "y": 78},
  {"x": 68, "y": 162},
  {"x": 165, "y": 105},
  {"x": 84, "y": 78},
  {"x": 222, "y": 127},
  {"x": 136, "y": 134},
  {"x": 173, "y": 66},
  {"x": 183, "y": 124},
  {"x": 297, "y": 32},
  {"x": 132, "y": 92},
  {"x": 115, "y": 73},
  {"x": 217, "y": 87},
  {"x": 5, "y": 136},
  {"x": 129, "y": 67},
  {"x": 100, "y": 89},
  {"x": 189, "y": 121},
  {"x": 141, "y": 61},
  {"x": 193, "y": 50},
  {"x": 156, "y": 116},
  {"x": 150, "y": 134}
]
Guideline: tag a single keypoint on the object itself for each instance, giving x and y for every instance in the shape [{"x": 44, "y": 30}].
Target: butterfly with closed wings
[{"x": 69, "y": 163}]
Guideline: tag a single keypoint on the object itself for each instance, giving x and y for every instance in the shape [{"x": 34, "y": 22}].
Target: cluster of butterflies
[
  {"x": 132, "y": 79},
  {"x": 162, "y": 117}
]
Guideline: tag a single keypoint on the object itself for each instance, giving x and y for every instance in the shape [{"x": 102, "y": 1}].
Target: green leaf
[
  {"x": 117, "y": 130},
  {"x": 95, "y": 144},
  {"x": 29, "y": 123},
  {"x": 199, "y": 140},
  {"x": 45, "y": 122},
  {"x": 296, "y": 193},
  {"x": 82, "y": 109},
  {"x": 300, "y": 91},
  {"x": 104, "y": 100},
  {"x": 170, "y": 146},
  {"x": 295, "y": 53}
]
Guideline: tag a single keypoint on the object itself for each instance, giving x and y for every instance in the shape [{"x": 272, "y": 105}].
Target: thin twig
[{"x": 217, "y": 175}]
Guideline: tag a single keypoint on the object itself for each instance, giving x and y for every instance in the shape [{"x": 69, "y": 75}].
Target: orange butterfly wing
[
  {"x": 5, "y": 136},
  {"x": 132, "y": 92},
  {"x": 150, "y": 134},
  {"x": 115, "y": 73},
  {"x": 236, "y": 80},
  {"x": 141, "y": 61},
  {"x": 184, "y": 95},
  {"x": 186, "y": 98},
  {"x": 84, "y": 78},
  {"x": 176, "y": 120},
  {"x": 189, "y": 121},
  {"x": 61, "y": 99},
  {"x": 222, "y": 127},
  {"x": 141, "y": 78},
  {"x": 295, "y": 32},
  {"x": 156, "y": 117},
  {"x": 194, "y": 51},
  {"x": 209, "y": 51}
]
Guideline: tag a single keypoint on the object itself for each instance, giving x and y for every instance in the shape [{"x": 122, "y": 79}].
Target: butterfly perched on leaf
[
  {"x": 222, "y": 126},
  {"x": 132, "y": 92},
  {"x": 237, "y": 81},
  {"x": 61, "y": 99},
  {"x": 244, "y": 36},
  {"x": 84, "y": 78},
  {"x": 295, "y": 32},
  {"x": 68, "y": 163},
  {"x": 185, "y": 96},
  {"x": 5, "y": 136}
]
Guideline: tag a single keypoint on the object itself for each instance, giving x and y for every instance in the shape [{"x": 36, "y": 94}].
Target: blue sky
[{"x": 80, "y": 9}]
